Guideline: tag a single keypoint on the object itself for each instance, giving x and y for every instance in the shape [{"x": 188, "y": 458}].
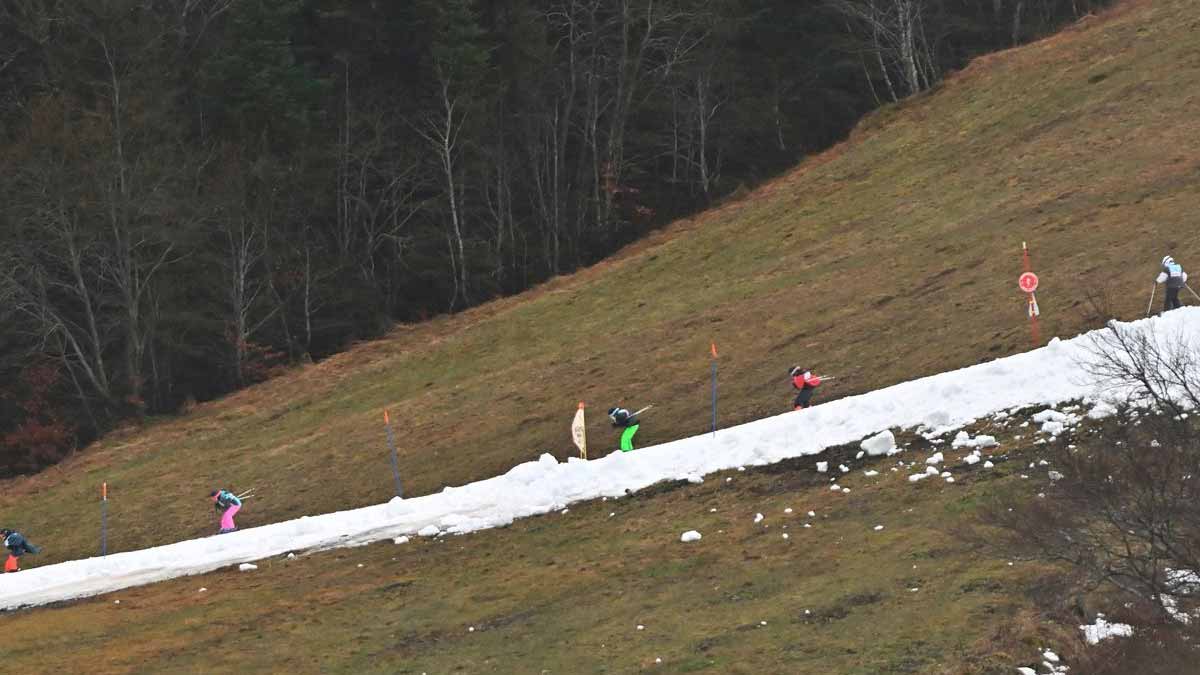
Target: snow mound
[
  {"x": 883, "y": 443},
  {"x": 1102, "y": 630},
  {"x": 247, "y": 567},
  {"x": 964, "y": 440},
  {"x": 690, "y": 535}
]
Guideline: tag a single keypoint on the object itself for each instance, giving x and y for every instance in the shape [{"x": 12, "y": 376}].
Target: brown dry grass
[{"x": 889, "y": 257}]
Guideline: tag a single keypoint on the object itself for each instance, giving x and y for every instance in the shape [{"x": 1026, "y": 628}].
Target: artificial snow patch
[
  {"x": 694, "y": 479},
  {"x": 972, "y": 458},
  {"x": 429, "y": 531},
  {"x": 641, "y": 627},
  {"x": 988, "y": 464},
  {"x": 935, "y": 458},
  {"x": 878, "y": 528},
  {"x": 1102, "y": 630},
  {"x": 1046, "y": 377},
  {"x": 291, "y": 556},
  {"x": 844, "y": 468},
  {"x": 883, "y": 443},
  {"x": 835, "y": 487},
  {"x": 785, "y": 535},
  {"x": 812, "y": 514},
  {"x": 787, "y": 510},
  {"x": 871, "y": 472},
  {"x": 690, "y": 535},
  {"x": 758, "y": 517},
  {"x": 917, "y": 476},
  {"x": 822, "y": 467},
  {"x": 246, "y": 567},
  {"x": 202, "y": 590}
]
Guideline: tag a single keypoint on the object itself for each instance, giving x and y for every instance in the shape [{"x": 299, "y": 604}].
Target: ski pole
[
  {"x": 1191, "y": 291},
  {"x": 642, "y": 410},
  {"x": 1150, "y": 305},
  {"x": 247, "y": 493}
]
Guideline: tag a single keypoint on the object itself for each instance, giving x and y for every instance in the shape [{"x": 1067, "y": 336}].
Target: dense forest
[{"x": 196, "y": 193}]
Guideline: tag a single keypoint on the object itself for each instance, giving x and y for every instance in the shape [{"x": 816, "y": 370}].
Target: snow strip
[{"x": 1046, "y": 376}]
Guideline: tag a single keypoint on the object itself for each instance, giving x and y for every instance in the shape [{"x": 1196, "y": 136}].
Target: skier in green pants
[{"x": 623, "y": 419}]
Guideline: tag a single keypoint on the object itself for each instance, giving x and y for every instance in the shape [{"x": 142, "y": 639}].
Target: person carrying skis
[
  {"x": 18, "y": 546},
  {"x": 1175, "y": 278},
  {"x": 623, "y": 419},
  {"x": 227, "y": 504},
  {"x": 806, "y": 383}
]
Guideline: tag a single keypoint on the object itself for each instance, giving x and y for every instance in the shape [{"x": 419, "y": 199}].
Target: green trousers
[{"x": 627, "y": 438}]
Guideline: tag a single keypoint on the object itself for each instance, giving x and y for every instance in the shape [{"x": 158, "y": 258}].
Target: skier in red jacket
[{"x": 805, "y": 382}]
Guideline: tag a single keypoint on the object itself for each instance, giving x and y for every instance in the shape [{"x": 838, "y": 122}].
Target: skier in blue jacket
[
  {"x": 1175, "y": 278},
  {"x": 18, "y": 546},
  {"x": 227, "y": 504}
]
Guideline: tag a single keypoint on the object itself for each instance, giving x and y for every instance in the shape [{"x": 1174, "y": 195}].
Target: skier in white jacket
[{"x": 1175, "y": 278}]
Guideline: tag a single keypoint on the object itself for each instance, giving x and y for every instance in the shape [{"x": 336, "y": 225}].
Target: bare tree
[
  {"x": 245, "y": 242},
  {"x": 1124, "y": 508},
  {"x": 894, "y": 31},
  {"x": 1153, "y": 368},
  {"x": 442, "y": 130}
]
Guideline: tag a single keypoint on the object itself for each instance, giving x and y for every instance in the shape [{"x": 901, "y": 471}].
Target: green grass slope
[
  {"x": 892, "y": 256},
  {"x": 567, "y": 592}
]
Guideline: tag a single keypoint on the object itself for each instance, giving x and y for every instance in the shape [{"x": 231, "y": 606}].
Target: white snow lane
[{"x": 1044, "y": 376}]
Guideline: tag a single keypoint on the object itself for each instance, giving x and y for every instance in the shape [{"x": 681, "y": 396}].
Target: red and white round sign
[{"x": 1028, "y": 282}]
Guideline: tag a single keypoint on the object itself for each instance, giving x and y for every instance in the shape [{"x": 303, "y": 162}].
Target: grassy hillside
[
  {"x": 567, "y": 592},
  {"x": 890, "y": 257}
]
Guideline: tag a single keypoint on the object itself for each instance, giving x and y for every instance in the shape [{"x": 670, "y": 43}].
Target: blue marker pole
[
  {"x": 395, "y": 460},
  {"x": 714, "y": 389},
  {"x": 104, "y": 518}
]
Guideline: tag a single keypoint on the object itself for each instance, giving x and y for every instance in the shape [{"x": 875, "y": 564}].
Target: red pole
[{"x": 1032, "y": 305}]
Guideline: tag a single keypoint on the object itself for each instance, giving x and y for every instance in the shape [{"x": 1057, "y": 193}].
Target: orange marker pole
[
  {"x": 1033, "y": 309},
  {"x": 714, "y": 389},
  {"x": 104, "y": 518},
  {"x": 387, "y": 422}
]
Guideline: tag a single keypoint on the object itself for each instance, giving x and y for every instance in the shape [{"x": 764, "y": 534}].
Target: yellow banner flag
[{"x": 579, "y": 431}]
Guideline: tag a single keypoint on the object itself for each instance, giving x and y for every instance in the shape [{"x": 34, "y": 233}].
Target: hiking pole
[
  {"x": 1191, "y": 291},
  {"x": 1150, "y": 305}
]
